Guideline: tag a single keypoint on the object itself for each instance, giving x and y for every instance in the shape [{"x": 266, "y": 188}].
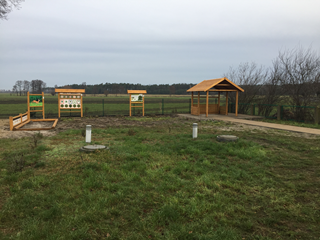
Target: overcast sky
[{"x": 148, "y": 41}]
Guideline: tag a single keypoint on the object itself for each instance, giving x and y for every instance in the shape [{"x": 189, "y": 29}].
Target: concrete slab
[{"x": 247, "y": 119}]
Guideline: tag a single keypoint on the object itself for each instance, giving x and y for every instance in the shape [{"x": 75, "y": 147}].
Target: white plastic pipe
[
  {"x": 195, "y": 130},
  {"x": 88, "y": 134}
]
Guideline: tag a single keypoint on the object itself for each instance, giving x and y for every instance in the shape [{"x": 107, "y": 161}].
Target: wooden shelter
[
  {"x": 136, "y": 97},
  {"x": 70, "y": 99},
  {"x": 213, "y": 85}
]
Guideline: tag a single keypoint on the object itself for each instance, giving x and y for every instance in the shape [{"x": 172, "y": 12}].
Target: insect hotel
[{"x": 219, "y": 85}]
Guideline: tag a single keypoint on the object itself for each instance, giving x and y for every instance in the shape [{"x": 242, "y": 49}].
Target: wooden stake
[
  {"x": 207, "y": 104},
  {"x": 130, "y": 105},
  {"x": 237, "y": 94},
  {"x": 43, "y": 114},
  {"x": 226, "y": 103}
]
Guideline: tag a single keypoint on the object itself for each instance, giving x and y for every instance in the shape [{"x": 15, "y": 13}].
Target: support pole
[
  {"x": 43, "y": 116},
  {"x": 237, "y": 94},
  {"x": 59, "y": 105},
  {"x": 28, "y": 105},
  {"x": 143, "y": 106},
  {"x": 207, "y": 104},
  {"x": 226, "y": 103},
  {"x": 219, "y": 102},
  {"x": 198, "y": 103},
  {"x": 81, "y": 106},
  {"x": 130, "y": 105}
]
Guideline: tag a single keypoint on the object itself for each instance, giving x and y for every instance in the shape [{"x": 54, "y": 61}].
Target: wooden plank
[
  {"x": 207, "y": 104},
  {"x": 136, "y": 91},
  {"x": 39, "y": 94},
  {"x": 199, "y": 100},
  {"x": 55, "y": 123},
  {"x": 223, "y": 90},
  {"x": 35, "y": 111},
  {"x": 43, "y": 114},
  {"x": 137, "y": 106},
  {"x": 21, "y": 125},
  {"x": 81, "y": 105},
  {"x": 69, "y": 111},
  {"x": 44, "y": 120},
  {"x": 130, "y": 106},
  {"x": 237, "y": 93},
  {"x": 226, "y": 103},
  {"x": 28, "y": 102},
  {"x": 69, "y": 90},
  {"x": 11, "y": 123}
]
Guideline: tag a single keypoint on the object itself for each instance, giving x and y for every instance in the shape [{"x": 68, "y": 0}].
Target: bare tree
[
  {"x": 6, "y": 7},
  {"x": 15, "y": 89},
  {"x": 106, "y": 92},
  {"x": 300, "y": 74},
  {"x": 250, "y": 77},
  {"x": 26, "y": 87},
  {"x": 37, "y": 86}
]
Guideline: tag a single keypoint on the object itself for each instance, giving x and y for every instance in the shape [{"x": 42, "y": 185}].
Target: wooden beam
[
  {"x": 21, "y": 125},
  {"x": 70, "y": 90},
  {"x": 207, "y": 104},
  {"x": 28, "y": 102},
  {"x": 130, "y": 106},
  {"x": 223, "y": 85},
  {"x": 237, "y": 94},
  {"x": 198, "y": 99},
  {"x": 223, "y": 90},
  {"x": 43, "y": 114},
  {"x": 226, "y": 103},
  {"x": 191, "y": 98}
]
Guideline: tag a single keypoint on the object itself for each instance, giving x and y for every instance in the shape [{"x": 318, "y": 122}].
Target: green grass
[
  {"x": 292, "y": 123},
  {"x": 158, "y": 183},
  {"x": 13, "y": 105}
]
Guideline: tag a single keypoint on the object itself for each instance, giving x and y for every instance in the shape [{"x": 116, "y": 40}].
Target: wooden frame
[
  {"x": 132, "y": 104},
  {"x": 42, "y": 110},
  {"x": 17, "y": 122},
  {"x": 214, "y": 85},
  {"x": 68, "y": 95}
]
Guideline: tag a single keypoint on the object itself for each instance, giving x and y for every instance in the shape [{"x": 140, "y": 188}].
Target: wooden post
[
  {"x": 237, "y": 94},
  {"x": 219, "y": 102},
  {"x": 143, "y": 106},
  {"x": 191, "y": 99},
  {"x": 226, "y": 103},
  {"x": 43, "y": 116},
  {"x": 130, "y": 106},
  {"x": 316, "y": 115},
  {"x": 11, "y": 122},
  {"x": 81, "y": 105},
  {"x": 28, "y": 105},
  {"x": 198, "y": 111},
  {"x": 279, "y": 113},
  {"x": 59, "y": 105},
  {"x": 207, "y": 104}
]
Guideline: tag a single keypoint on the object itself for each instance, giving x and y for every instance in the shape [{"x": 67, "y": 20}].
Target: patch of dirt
[
  {"x": 115, "y": 122},
  {"x": 75, "y": 123},
  {"x": 255, "y": 129}
]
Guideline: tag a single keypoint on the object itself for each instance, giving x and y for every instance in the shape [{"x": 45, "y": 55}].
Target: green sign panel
[{"x": 35, "y": 101}]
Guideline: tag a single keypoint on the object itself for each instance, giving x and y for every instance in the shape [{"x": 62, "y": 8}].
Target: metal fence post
[
  {"x": 103, "y": 107},
  {"x": 162, "y": 106}
]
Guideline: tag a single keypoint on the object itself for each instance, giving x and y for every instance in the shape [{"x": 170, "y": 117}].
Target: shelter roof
[
  {"x": 218, "y": 83},
  {"x": 60, "y": 90},
  {"x": 136, "y": 91}
]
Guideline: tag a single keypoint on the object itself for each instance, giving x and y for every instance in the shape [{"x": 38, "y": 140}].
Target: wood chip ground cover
[{"x": 159, "y": 183}]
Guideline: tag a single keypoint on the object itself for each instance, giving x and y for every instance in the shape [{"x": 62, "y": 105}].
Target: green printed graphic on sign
[
  {"x": 35, "y": 101},
  {"x": 136, "y": 97}
]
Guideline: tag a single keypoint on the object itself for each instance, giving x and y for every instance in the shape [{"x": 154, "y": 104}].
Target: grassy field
[
  {"x": 93, "y": 105},
  {"x": 156, "y": 182}
]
